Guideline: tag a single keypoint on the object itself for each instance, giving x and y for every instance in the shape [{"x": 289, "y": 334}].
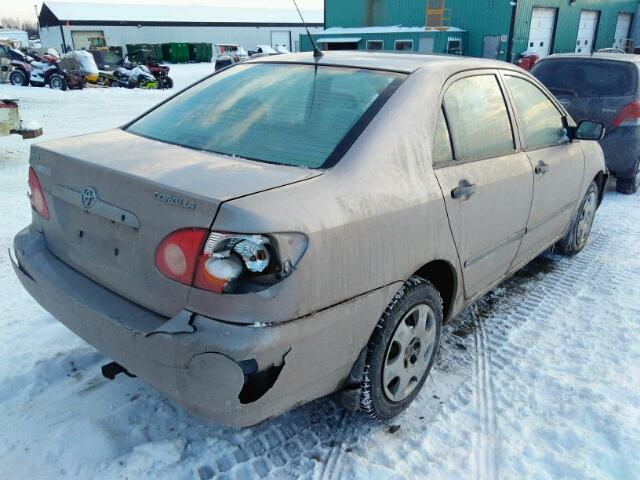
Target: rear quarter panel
[{"x": 372, "y": 220}]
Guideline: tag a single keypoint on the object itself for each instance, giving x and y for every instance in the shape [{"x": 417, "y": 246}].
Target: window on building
[
  {"x": 375, "y": 45},
  {"x": 442, "y": 145},
  {"x": 478, "y": 120},
  {"x": 404, "y": 45},
  {"x": 541, "y": 122},
  {"x": 454, "y": 46}
]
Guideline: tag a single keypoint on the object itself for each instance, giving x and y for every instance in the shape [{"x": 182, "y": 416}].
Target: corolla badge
[
  {"x": 89, "y": 197},
  {"x": 565, "y": 102}
]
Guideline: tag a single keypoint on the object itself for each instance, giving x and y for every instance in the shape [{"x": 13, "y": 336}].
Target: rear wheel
[
  {"x": 401, "y": 350},
  {"x": 629, "y": 186},
  {"x": 17, "y": 77},
  {"x": 576, "y": 238}
]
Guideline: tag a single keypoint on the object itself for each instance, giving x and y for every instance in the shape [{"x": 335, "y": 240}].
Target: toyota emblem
[{"x": 89, "y": 197}]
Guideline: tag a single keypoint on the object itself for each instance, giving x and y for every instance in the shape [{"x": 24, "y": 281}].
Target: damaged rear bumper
[{"x": 232, "y": 374}]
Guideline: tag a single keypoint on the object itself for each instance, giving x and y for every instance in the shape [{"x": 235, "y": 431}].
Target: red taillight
[
  {"x": 177, "y": 255},
  {"x": 38, "y": 202},
  {"x": 629, "y": 116}
]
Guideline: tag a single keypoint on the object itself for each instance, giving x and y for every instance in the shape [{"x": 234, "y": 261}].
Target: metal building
[
  {"x": 501, "y": 29},
  {"x": 66, "y": 25}
]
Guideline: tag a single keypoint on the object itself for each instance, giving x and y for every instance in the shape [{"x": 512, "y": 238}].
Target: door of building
[
  {"x": 623, "y": 26},
  {"x": 491, "y": 47},
  {"x": 587, "y": 31},
  {"x": 543, "y": 22}
]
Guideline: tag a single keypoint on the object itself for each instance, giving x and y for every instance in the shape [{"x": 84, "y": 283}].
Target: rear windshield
[
  {"x": 588, "y": 78},
  {"x": 289, "y": 114}
]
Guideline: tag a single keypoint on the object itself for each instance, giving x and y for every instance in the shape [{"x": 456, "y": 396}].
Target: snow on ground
[{"x": 539, "y": 379}]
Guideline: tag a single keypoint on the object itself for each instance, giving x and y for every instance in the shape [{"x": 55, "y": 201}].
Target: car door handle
[
  {"x": 542, "y": 168},
  {"x": 464, "y": 190}
]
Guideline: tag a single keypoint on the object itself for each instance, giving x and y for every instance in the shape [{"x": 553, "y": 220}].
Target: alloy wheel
[
  {"x": 587, "y": 215},
  {"x": 409, "y": 353}
]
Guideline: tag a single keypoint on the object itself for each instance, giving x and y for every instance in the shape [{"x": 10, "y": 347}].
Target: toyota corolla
[{"x": 293, "y": 227}]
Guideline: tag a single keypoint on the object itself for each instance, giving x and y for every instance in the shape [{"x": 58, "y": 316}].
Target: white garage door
[
  {"x": 541, "y": 31},
  {"x": 622, "y": 30},
  {"x": 281, "y": 39},
  {"x": 587, "y": 31}
]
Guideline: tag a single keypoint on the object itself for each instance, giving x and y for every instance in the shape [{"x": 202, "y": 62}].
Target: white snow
[{"x": 539, "y": 379}]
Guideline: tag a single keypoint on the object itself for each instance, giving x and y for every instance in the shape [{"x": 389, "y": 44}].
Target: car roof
[
  {"x": 620, "y": 57},
  {"x": 397, "y": 62}
]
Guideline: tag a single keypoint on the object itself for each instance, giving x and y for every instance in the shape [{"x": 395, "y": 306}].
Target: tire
[
  {"x": 168, "y": 82},
  {"x": 629, "y": 186},
  {"x": 399, "y": 353},
  {"x": 17, "y": 78},
  {"x": 57, "y": 82},
  {"x": 578, "y": 234}
]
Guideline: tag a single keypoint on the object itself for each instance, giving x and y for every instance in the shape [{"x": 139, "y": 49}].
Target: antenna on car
[{"x": 317, "y": 53}]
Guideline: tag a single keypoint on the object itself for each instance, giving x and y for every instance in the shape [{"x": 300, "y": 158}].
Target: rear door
[
  {"x": 558, "y": 164},
  {"x": 587, "y": 31},
  {"x": 486, "y": 181}
]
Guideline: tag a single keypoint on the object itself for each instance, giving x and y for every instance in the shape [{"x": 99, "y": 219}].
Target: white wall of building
[{"x": 248, "y": 37}]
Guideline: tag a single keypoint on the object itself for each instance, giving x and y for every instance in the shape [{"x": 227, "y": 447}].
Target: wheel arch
[
  {"x": 601, "y": 180},
  {"x": 444, "y": 277}
]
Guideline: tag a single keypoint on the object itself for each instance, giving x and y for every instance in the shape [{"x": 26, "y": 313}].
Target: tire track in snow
[{"x": 529, "y": 297}]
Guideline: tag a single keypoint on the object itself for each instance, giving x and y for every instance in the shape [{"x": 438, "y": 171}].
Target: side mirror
[{"x": 588, "y": 130}]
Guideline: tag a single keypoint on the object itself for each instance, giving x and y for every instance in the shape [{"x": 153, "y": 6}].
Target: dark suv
[{"x": 602, "y": 87}]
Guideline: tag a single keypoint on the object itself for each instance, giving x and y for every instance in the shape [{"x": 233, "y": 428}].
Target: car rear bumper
[
  {"x": 236, "y": 375},
  {"x": 621, "y": 147}
]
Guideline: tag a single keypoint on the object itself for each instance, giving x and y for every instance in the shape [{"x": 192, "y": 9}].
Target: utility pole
[{"x": 35, "y": 7}]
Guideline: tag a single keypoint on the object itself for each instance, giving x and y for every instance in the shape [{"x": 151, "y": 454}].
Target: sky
[{"x": 24, "y": 9}]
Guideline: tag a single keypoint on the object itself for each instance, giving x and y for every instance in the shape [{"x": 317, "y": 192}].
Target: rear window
[
  {"x": 289, "y": 114},
  {"x": 588, "y": 78}
]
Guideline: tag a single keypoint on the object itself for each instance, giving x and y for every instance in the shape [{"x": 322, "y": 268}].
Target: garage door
[
  {"x": 281, "y": 39},
  {"x": 622, "y": 30},
  {"x": 541, "y": 33},
  {"x": 81, "y": 39},
  {"x": 587, "y": 31}
]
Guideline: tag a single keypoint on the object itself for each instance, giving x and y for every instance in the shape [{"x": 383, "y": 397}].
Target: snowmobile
[{"x": 137, "y": 77}]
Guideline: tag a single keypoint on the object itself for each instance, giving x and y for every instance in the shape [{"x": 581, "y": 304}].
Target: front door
[
  {"x": 491, "y": 47},
  {"x": 486, "y": 183},
  {"x": 558, "y": 165}
]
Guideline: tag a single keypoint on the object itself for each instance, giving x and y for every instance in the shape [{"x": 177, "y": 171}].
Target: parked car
[
  {"x": 263, "y": 50},
  {"x": 249, "y": 252},
  {"x": 603, "y": 87}
]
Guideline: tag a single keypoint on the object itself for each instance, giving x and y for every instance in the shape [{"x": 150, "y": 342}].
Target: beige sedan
[{"x": 294, "y": 226}]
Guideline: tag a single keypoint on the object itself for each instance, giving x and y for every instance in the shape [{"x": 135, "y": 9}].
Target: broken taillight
[
  {"x": 629, "y": 116},
  {"x": 36, "y": 195},
  {"x": 229, "y": 262}
]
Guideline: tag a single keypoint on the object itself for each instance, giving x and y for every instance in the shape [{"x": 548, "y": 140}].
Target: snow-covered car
[{"x": 297, "y": 226}]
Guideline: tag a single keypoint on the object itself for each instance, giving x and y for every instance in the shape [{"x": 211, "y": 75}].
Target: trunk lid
[{"x": 114, "y": 196}]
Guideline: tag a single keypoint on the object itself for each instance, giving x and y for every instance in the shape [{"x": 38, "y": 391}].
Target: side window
[
  {"x": 478, "y": 119},
  {"x": 540, "y": 120},
  {"x": 442, "y": 145}
]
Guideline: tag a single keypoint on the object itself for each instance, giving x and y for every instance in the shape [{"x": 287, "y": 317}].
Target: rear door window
[
  {"x": 478, "y": 120},
  {"x": 540, "y": 120},
  {"x": 588, "y": 78}
]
